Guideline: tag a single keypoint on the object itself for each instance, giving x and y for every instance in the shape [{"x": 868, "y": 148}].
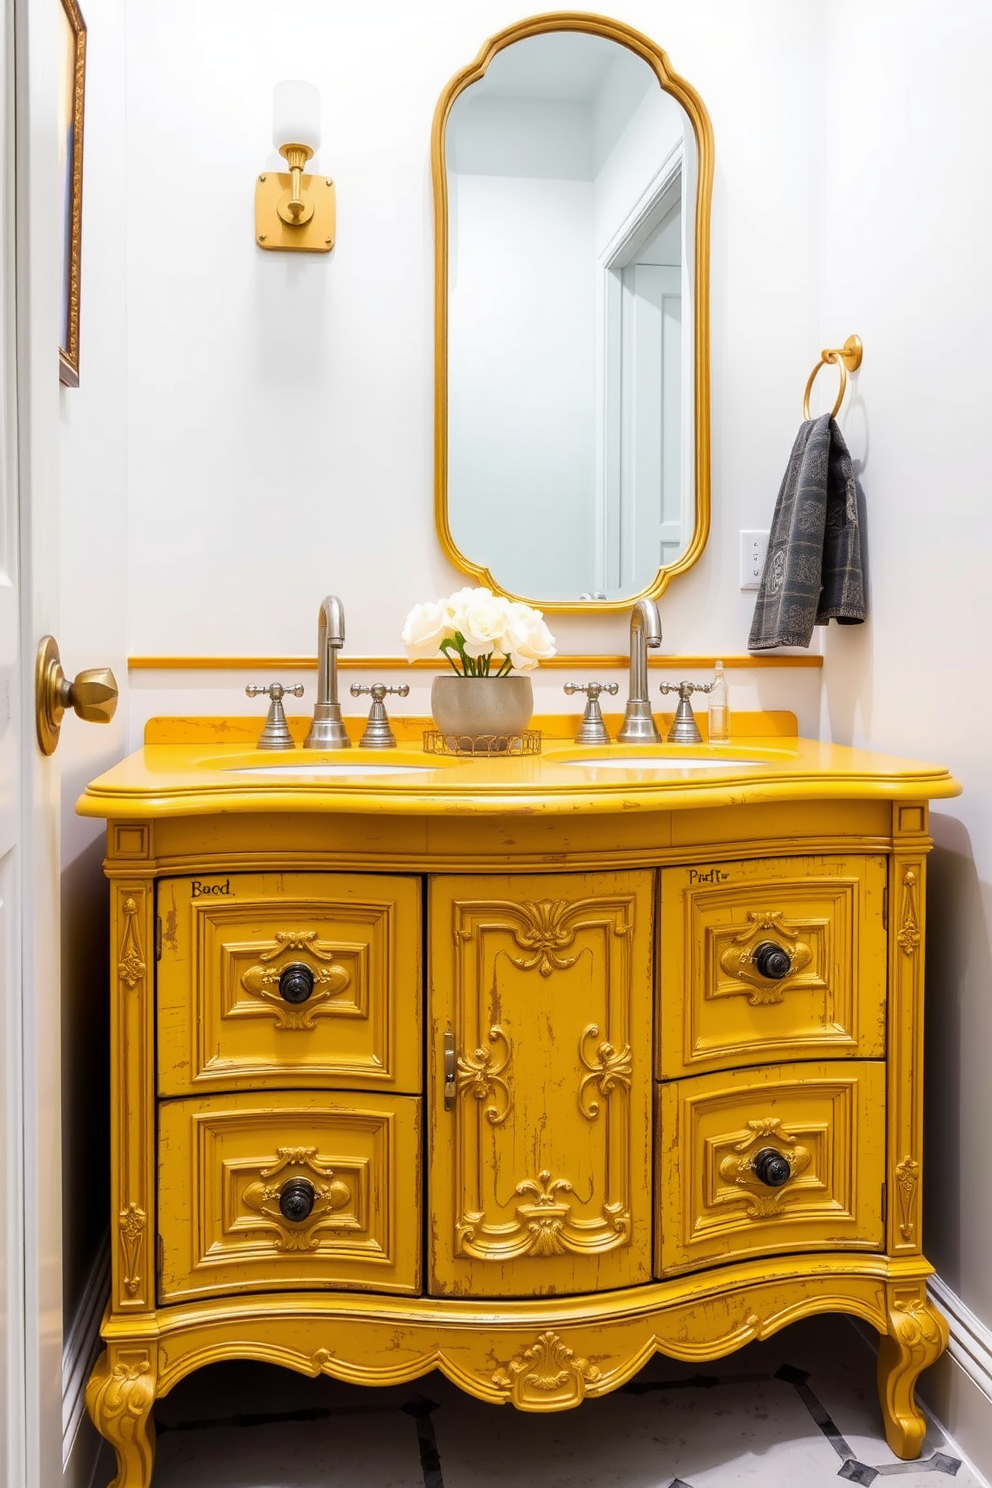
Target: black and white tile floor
[{"x": 799, "y": 1411}]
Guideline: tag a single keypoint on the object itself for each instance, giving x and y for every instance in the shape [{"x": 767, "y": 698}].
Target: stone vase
[{"x": 482, "y": 707}]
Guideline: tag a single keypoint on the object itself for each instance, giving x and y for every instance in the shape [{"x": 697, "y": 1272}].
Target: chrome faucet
[
  {"x": 639, "y": 726},
  {"x": 327, "y": 730}
]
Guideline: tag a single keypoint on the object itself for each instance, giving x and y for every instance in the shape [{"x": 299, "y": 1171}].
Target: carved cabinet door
[{"x": 540, "y": 1088}]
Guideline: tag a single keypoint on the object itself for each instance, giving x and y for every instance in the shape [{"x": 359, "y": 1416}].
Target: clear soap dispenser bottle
[{"x": 719, "y": 711}]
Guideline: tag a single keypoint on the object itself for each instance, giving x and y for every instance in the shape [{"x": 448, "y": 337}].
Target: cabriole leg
[
  {"x": 119, "y": 1397},
  {"x": 917, "y": 1336}
]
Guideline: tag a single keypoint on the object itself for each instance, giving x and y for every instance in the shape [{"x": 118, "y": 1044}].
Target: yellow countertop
[{"x": 210, "y": 776}]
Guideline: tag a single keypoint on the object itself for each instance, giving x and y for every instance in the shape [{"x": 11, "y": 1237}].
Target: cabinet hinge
[
  {"x": 885, "y": 908},
  {"x": 159, "y": 1256},
  {"x": 158, "y": 937},
  {"x": 885, "y": 1205}
]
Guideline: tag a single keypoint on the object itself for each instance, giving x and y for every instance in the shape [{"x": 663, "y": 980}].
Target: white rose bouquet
[{"x": 481, "y": 634}]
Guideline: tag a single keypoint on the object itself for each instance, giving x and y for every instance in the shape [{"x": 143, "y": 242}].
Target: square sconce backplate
[{"x": 314, "y": 236}]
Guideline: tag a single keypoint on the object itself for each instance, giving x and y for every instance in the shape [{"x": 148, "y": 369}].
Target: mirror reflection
[{"x": 571, "y": 265}]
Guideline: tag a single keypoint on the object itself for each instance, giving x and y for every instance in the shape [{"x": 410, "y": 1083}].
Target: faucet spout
[
  {"x": 639, "y": 726},
  {"x": 327, "y": 730}
]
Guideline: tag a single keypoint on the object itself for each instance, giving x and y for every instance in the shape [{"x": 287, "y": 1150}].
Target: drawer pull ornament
[
  {"x": 763, "y": 964},
  {"x": 767, "y": 1169},
  {"x": 296, "y": 982},
  {"x": 296, "y": 1200},
  {"x": 771, "y": 1167},
  {"x": 773, "y": 961},
  {"x": 296, "y": 990}
]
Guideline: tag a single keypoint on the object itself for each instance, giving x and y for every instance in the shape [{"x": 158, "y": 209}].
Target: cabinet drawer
[
  {"x": 288, "y": 1191},
  {"x": 289, "y": 979},
  {"x": 724, "y": 1000},
  {"x": 724, "y": 1191}
]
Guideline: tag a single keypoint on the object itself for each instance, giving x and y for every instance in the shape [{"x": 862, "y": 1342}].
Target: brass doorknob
[{"x": 92, "y": 694}]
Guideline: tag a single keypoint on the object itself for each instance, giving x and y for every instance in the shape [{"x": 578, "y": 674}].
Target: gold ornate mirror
[{"x": 572, "y": 178}]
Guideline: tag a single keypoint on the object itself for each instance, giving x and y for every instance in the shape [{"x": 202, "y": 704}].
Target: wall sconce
[{"x": 294, "y": 212}]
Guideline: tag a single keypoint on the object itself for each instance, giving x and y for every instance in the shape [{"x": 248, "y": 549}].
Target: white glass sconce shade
[{"x": 296, "y": 115}]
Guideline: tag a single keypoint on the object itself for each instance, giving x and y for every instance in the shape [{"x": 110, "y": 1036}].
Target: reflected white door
[{"x": 651, "y": 517}]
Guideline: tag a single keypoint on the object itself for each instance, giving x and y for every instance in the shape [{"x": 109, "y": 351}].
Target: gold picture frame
[{"x": 72, "y": 78}]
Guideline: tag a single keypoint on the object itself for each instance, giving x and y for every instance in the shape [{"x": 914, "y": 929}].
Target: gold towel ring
[{"x": 846, "y": 358}]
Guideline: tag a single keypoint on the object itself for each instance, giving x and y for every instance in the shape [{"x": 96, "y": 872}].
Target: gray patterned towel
[{"x": 813, "y": 572}]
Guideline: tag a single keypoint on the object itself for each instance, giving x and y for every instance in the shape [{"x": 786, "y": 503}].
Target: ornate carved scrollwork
[
  {"x": 740, "y": 1170},
  {"x": 130, "y": 963},
  {"x": 546, "y": 1227},
  {"x": 544, "y": 934},
  {"x": 481, "y": 1075},
  {"x": 330, "y": 979},
  {"x": 738, "y": 958},
  {"x": 909, "y": 934},
  {"x": 608, "y": 1068},
  {"x": 907, "y": 1182},
  {"x": 263, "y": 1197},
  {"x": 917, "y": 1335},
  {"x": 119, "y": 1397},
  {"x": 547, "y": 1369},
  {"x": 132, "y": 1222}
]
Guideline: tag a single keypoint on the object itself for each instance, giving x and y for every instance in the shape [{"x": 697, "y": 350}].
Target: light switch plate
[{"x": 754, "y": 551}]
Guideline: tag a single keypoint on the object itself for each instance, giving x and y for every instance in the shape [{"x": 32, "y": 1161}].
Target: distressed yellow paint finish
[
  {"x": 827, "y": 1121},
  {"x": 539, "y": 1171},
  {"x": 224, "y": 1162},
  {"x": 717, "y": 1010},
  {"x": 227, "y": 941},
  {"x": 590, "y": 945}
]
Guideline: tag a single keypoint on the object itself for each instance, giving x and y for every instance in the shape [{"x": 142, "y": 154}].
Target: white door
[{"x": 30, "y": 1212}]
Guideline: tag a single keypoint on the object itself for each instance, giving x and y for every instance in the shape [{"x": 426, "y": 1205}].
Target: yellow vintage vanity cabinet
[{"x": 522, "y": 1069}]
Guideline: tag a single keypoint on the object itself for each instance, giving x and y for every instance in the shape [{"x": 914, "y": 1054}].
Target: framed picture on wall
[{"x": 72, "y": 77}]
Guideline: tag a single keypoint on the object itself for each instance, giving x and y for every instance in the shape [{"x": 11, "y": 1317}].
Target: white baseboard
[
  {"x": 970, "y": 1344},
  {"x": 81, "y": 1348}
]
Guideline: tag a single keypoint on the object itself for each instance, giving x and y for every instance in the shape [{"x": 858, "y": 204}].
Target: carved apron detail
[{"x": 546, "y": 1375}]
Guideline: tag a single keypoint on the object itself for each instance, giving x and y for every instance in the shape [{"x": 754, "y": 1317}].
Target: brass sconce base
[{"x": 315, "y": 235}]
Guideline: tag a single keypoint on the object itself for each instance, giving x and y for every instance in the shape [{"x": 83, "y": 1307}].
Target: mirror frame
[{"x": 684, "y": 94}]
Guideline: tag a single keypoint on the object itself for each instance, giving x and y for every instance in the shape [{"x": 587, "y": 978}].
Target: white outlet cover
[{"x": 754, "y": 551}]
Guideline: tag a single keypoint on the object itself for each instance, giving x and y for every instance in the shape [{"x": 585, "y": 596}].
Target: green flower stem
[{"x": 471, "y": 666}]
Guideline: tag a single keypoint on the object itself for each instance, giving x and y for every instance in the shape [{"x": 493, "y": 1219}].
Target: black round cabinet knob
[
  {"x": 772, "y": 1168},
  {"x": 296, "y": 1200},
  {"x": 772, "y": 961},
  {"x": 296, "y": 982}
]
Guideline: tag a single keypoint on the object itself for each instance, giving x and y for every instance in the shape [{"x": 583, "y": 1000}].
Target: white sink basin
[
  {"x": 328, "y": 768},
  {"x": 647, "y": 764}
]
